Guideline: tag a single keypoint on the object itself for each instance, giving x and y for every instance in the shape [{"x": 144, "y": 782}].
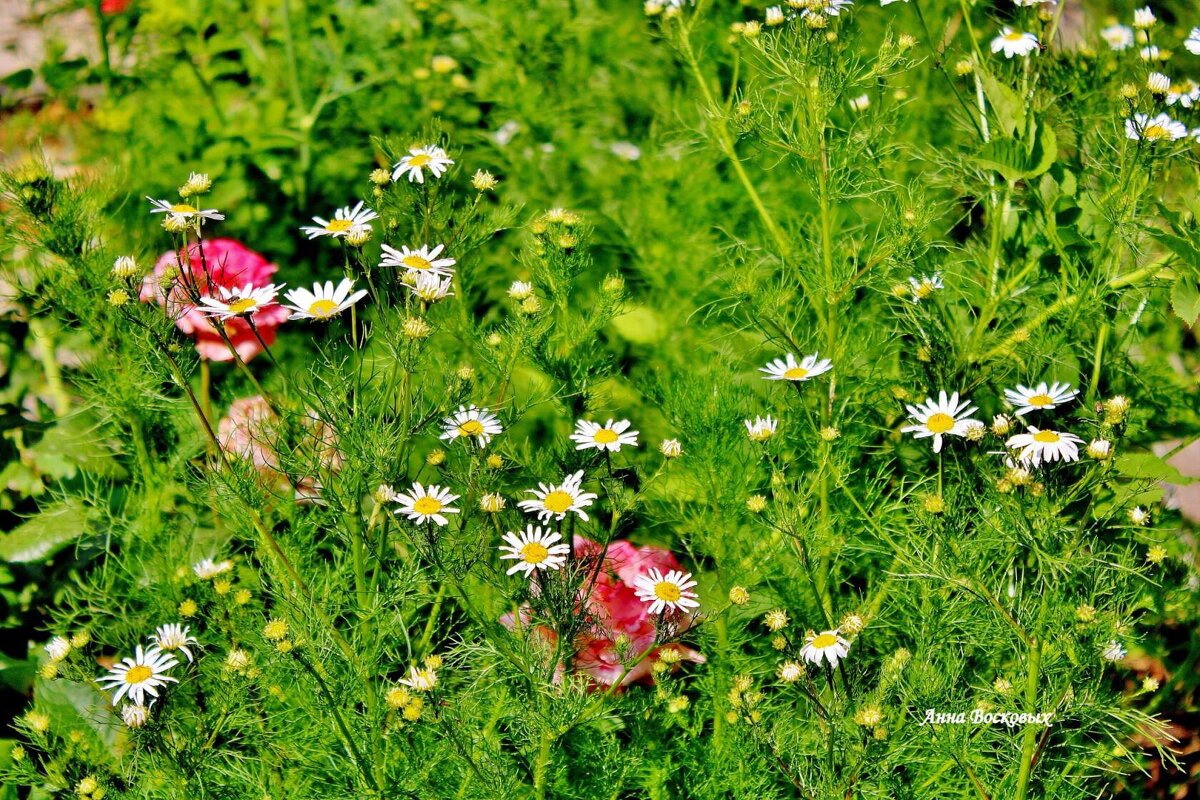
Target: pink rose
[{"x": 232, "y": 265}]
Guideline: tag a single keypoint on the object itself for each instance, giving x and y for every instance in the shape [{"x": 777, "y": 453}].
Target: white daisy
[
  {"x": 828, "y": 646},
  {"x": 611, "y": 436},
  {"x": 1186, "y": 93},
  {"x": 143, "y": 674},
  {"x": 418, "y": 260},
  {"x": 423, "y": 504},
  {"x": 1157, "y": 83},
  {"x": 182, "y": 211},
  {"x": 1039, "y": 398},
  {"x": 941, "y": 417},
  {"x": 670, "y": 592},
  {"x": 762, "y": 428},
  {"x": 520, "y": 290},
  {"x": 806, "y": 369},
  {"x": 430, "y": 287},
  {"x": 1143, "y": 127},
  {"x": 925, "y": 286},
  {"x": 324, "y": 301},
  {"x": 431, "y": 157},
  {"x": 174, "y": 636},
  {"x": 1118, "y": 37},
  {"x": 420, "y": 679},
  {"x": 58, "y": 648},
  {"x": 471, "y": 422},
  {"x": 134, "y": 715},
  {"x": 1113, "y": 651},
  {"x": 534, "y": 549},
  {"x": 1144, "y": 18},
  {"x": 1139, "y": 516},
  {"x": 558, "y": 501},
  {"x": 239, "y": 302},
  {"x": 346, "y": 220},
  {"x": 1014, "y": 43},
  {"x": 1041, "y": 446},
  {"x": 1192, "y": 42},
  {"x": 207, "y": 569}
]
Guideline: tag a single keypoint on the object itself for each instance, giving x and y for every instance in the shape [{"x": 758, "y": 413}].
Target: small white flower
[
  {"x": 1113, "y": 651},
  {"x": 471, "y": 422},
  {"x": 143, "y": 674},
  {"x": 1042, "y": 446},
  {"x": 792, "y": 671},
  {"x": 424, "y": 504},
  {"x": 206, "y": 568},
  {"x": 430, "y": 287},
  {"x": 1144, "y": 18},
  {"x": 925, "y": 286},
  {"x": 1149, "y": 53},
  {"x": 197, "y": 183},
  {"x": 946, "y": 416},
  {"x": 174, "y": 636},
  {"x": 534, "y": 549},
  {"x": 1118, "y": 37},
  {"x": 182, "y": 212},
  {"x": 611, "y": 436},
  {"x": 827, "y": 646},
  {"x": 238, "y": 302},
  {"x": 58, "y": 648},
  {"x": 421, "y": 680},
  {"x": 134, "y": 715},
  {"x": 125, "y": 267},
  {"x": 1040, "y": 398},
  {"x": 671, "y": 448},
  {"x": 762, "y": 428},
  {"x": 1185, "y": 94},
  {"x": 1139, "y": 516},
  {"x": 419, "y": 159},
  {"x": 1099, "y": 449},
  {"x": 520, "y": 290},
  {"x": 670, "y": 592},
  {"x": 1157, "y": 83},
  {"x": 324, "y": 301},
  {"x": 1143, "y": 127},
  {"x": 1014, "y": 43},
  {"x": 790, "y": 370},
  {"x": 346, "y": 220},
  {"x": 558, "y": 501},
  {"x": 418, "y": 260},
  {"x": 860, "y": 103},
  {"x": 1192, "y": 42},
  {"x": 774, "y": 15}
]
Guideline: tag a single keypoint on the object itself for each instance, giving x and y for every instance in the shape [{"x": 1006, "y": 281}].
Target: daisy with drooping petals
[
  {"x": 534, "y": 549},
  {"x": 58, "y": 648},
  {"x": 827, "y": 646},
  {"x": 1192, "y": 42},
  {"x": 1118, "y": 37},
  {"x": 670, "y": 592},
  {"x": 419, "y": 159},
  {"x": 558, "y": 501},
  {"x": 420, "y": 679},
  {"x": 471, "y": 422},
  {"x": 610, "y": 436},
  {"x": 143, "y": 674},
  {"x": 182, "y": 212},
  {"x": 174, "y": 636},
  {"x": 1185, "y": 93},
  {"x": 424, "y": 504},
  {"x": 430, "y": 287},
  {"x": 789, "y": 369},
  {"x": 1014, "y": 43},
  {"x": 1041, "y": 446},
  {"x": 323, "y": 302},
  {"x": 206, "y": 568},
  {"x": 239, "y": 302},
  {"x": 1160, "y": 128},
  {"x": 346, "y": 220},
  {"x": 925, "y": 286},
  {"x": 762, "y": 428},
  {"x": 946, "y": 416},
  {"x": 134, "y": 716},
  {"x": 1113, "y": 651},
  {"x": 418, "y": 260},
  {"x": 1041, "y": 397}
]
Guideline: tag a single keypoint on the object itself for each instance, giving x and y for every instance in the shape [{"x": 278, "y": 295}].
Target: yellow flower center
[
  {"x": 558, "y": 501},
  {"x": 322, "y": 308},
  {"x": 471, "y": 427},
  {"x": 419, "y": 160},
  {"x": 139, "y": 674},
  {"x": 534, "y": 553},
  {"x": 339, "y": 225},
  {"x": 183, "y": 208},
  {"x": 824, "y": 640},
  {"x": 796, "y": 374},
  {"x": 1041, "y": 400},
  {"x": 924, "y": 289},
  {"x": 605, "y": 436},
  {"x": 939, "y": 423},
  {"x": 417, "y": 262},
  {"x": 1155, "y": 132},
  {"x": 667, "y": 591},
  {"x": 427, "y": 506},
  {"x": 1014, "y": 36},
  {"x": 243, "y": 305},
  {"x": 1048, "y": 437}
]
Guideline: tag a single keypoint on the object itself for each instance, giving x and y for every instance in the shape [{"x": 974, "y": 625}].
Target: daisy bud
[
  {"x": 484, "y": 181},
  {"x": 852, "y": 624},
  {"x": 860, "y": 103},
  {"x": 1128, "y": 92},
  {"x": 816, "y": 22},
  {"x": 1045, "y": 14},
  {"x": 58, "y": 648},
  {"x": 492, "y": 503},
  {"x": 222, "y": 586},
  {"x": 1158, "y": 84},
  {"x": 276, "y": 629},
  {"x": 48, "y": 671},
  {"x": 670, "y": 448},
  {"x": 519, "y": 290},
  {"x": 1037, "y": 490},
  {"x": 1100, "y": 449},
  {"x": 174, "y": 224},
  {"x": 739, "y": 595},
  {"x": 380, "y": 177},
  {"x": 868, "y": 716},
  {"x": 1139, "y": 516},
  {"x": 963, "y": 68},
  {"x": 907, "y": 41},
  {"x": 118, "y": 297},
  {"x": 924, "y": 354},
  {"x": 495, "y": 461},
  {"x": 81, "y": 639},
  {"x": 1002, "y": 685},
  {"x": 1156, "y": 554},
  {"x": 188, "y": 608},
  {"x": 86, "y": 786},
  {"x": 743, "y": 683},
  {"x": 677, "y": 705},
  {"x": 774, "y": 16},
  {"x": 1085, "y": 613},
  {"x": 776, "y": 619},
  {"x": 436, "y": 458},
  {"x": 1149, "y": 684},
  {"x": 743, "y": 108},
  {"x": 494, "y": 340},
  {"x": 752, "y": 29},
  {"x": 756, "y": 503},
  {"x": 975, "y": 432},
  {"x": 237, "y": 660},
  {"x": 384, "y": 494},
  {"x": 829, "y": 433},
  {"x": 1001, "y": 425},
  {"x": 412, "y": 712},
  {"x": 1004, "y": 486},
  {"x": 397, "y": 697},
  {"x": 831, "y": 36},
  {"x": 416, "y": 328},
  {"x": 17, "y": 754},
  {"x": 358, "y": 236},
  {"x": 443, "y": 65},
  {"x": 1143, "y": 18},
  {"x": 901, "y": 290},
  {"x": 124, "y": 267},
  {"x": 790, "y": 672},
  {"x": 652, "y": 8},
  {"x": 1115, "y": 409},
  {"x": 613, "y": 284},
  {"x": 37, "y": 721},
  {"x": 530, "y": 306},
  {"x": 284, "y": 646},
  {"x": 934, "y": 504}
]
